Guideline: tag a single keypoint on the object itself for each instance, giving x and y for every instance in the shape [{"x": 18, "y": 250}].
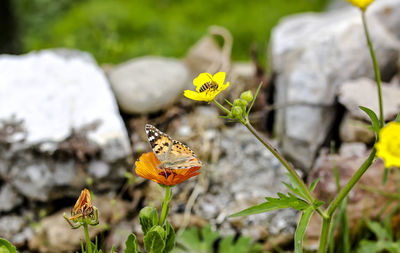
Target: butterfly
[{"x": 171, "y": 153}]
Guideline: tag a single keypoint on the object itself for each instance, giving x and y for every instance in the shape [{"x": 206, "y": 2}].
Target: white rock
[
  {"x": 312, "y": 54},
  {"x": 364, "y": 92},
  {"x": 60, "y": 106},
  {"x": 53, "y": 94},
  {"x": 148, "y": 84}
]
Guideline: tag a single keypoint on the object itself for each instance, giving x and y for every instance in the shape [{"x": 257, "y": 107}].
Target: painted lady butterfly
[{"x": 171, "y": 153}]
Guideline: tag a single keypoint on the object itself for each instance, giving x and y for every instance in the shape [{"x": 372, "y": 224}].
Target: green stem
[
  {"x": 339, "y": 198},
  {"x": 323, "y": 241},
  {"x": 353, "y": 180},
  {"x": 223, "y": 108},
  {"x": 376, "y": 68},
  {"x": 164, "y": 211},
  {"x": 288, "y": 167},
  {"x": 87, "y": 238}
]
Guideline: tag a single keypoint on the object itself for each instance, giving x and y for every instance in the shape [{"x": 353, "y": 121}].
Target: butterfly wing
[
  {"x": 182, "y": 157},
  {"x": 159, "y": 142}
]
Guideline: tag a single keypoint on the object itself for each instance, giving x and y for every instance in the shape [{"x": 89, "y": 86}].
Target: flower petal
[
  {"x": 196, "y": 95},
  {"x": 219, "y": 78},
  {"x": 202, "y": 79}
]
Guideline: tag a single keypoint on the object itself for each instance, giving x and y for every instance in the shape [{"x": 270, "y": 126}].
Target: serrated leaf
[
  {"x": 7, "y": 247},
  {"x": 284, "y": 201},
  {"x": 374, "y": 119},
  {"x": 296, "y": 185},
  {"x": 131, "y": 244},
  {"x": 314, "y": 184},
  {"x": 294, "y": 190},
  {"x": 301, "y": 229}
]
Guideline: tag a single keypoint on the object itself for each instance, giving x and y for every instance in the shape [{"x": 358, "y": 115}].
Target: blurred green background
[{"x": 118, "y": 30}]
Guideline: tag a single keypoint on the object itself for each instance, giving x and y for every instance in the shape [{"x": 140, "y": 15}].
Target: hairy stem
[{"x": 376, "y": 68}]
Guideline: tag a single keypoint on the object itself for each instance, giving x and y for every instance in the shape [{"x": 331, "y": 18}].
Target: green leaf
[
  {"x": 296, "y": 185},
  {"x": 148, "y": 218},
  {"x": 154, "y": 240},
  {"x": 314, "y": 184},
  {"x": 170, "y": 237},
  {"x": 294, "y": 190},
  {"x": 301, "y": 229},
  {"x": 194, "y": 240},
  {"x": 254, "y": 99},
  {"x": 7, "y": 247},
  {"x": 226, "y": 100},
  {"x": 229, "y": 245},
  {"x": 113, "y": 249},
  {"x": 374, "y": 119},
  {"x": 131, "y": 244},
  {"x": 385, "y": 175},
  {"x": 379, "y": 231},
  {"x": 397, "y": 118},
  {"x": 284, "y": 201}
]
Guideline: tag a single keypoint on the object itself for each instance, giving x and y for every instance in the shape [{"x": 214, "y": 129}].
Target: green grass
[{"x": 117, "y": 30}]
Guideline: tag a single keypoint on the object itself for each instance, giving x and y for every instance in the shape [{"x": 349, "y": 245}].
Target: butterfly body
[{"x": 171, "y": 153}]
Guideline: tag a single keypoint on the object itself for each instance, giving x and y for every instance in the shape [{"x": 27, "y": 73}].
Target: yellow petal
[
  {"x": 223, "y": 87},
  {"x": 196, "y": 96},
  {"x": 219, "y": 78},
  {"x": 202, "y": 79},
  {"x": 362, "y": 4}
]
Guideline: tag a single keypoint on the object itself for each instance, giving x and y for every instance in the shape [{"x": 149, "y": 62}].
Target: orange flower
[
  {"x": 147, "y": 167},
  {"x": 83, "y": 206}
]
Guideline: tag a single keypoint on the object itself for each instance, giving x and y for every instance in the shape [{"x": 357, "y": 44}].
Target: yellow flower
[
  {"x": 207, "y": 87},
  {"x": 388, "y": 147},
  {"x": 362, "y": 4}
]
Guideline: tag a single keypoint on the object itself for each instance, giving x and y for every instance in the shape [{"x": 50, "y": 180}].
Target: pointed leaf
[
  {"x": 284, "y": 201},
  {"x": 131, "y": 244},
  {"x": 254, "y": 99},
  {"x": 294, "y": 190},
  {"x": 314, "y": 184},
  {"x": 226, "y": 100},
  {"x": 397, "y": 118},
  {"x": 373, "y": 117},
  {"x": 296, "y": 185},
  {"x": 301, "y": 229}
]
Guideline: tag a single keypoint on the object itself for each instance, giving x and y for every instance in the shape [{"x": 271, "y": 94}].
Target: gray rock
[
  {"x": 312, "y": 54},
  {"x": 242, "y": 178},
  {"x": 15, "y": 229},
  {"x": 9, "y": 198},
  {"x": 148, "y": 84},
  {"x": 364, "y": 92},
  {"x": 56, "y": 119}
]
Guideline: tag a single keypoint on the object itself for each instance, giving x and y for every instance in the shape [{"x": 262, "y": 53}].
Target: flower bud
[
  {"x": 237, "y": 111},
  {"x": 247, "y": 96},
  {"x": 240, "y": 102}
]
